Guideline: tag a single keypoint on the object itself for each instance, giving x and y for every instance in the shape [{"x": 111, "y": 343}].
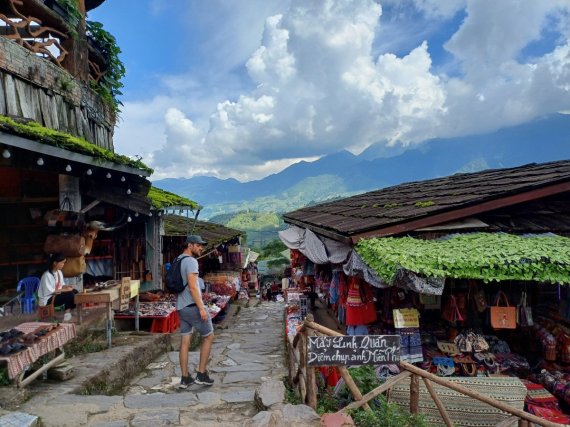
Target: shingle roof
[
  {"x": 388, "y": 207},
  {"x": 214, "y": 234}
]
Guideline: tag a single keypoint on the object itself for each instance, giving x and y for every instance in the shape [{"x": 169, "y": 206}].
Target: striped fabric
[{"x": 464, "y": 410}]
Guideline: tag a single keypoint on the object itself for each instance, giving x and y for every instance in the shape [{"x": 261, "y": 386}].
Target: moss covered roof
[
  {"x": 44, "y": 135},
  {"x": 484, "y": 256},
  {"x": 162, "y": 199}
]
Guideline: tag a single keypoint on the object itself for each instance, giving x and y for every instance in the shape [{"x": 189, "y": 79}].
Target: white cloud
[{"x": 317, "y": 86}]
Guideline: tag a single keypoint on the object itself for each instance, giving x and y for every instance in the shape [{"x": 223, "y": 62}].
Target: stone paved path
[{"x": 249, "y": 350}]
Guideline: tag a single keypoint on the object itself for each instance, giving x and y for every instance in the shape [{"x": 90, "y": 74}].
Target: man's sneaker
[
  {"x": 203, "y": 378},
  {"x": 185, "y": 382}
]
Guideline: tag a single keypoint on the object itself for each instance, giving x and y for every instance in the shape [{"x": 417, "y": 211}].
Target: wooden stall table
[
  {"x": 166, "y": 322},
  {"x": 108, "y": 297},
  {"x": 18, "y": 363}
]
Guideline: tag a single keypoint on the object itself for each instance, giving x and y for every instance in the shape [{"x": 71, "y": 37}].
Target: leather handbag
[{"x": 503, "y": 317}]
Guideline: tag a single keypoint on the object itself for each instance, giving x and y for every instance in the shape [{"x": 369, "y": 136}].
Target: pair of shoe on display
[{"x": 202, "y": 378}]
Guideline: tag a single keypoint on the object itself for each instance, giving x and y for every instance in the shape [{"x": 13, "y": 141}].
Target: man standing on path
[{"x": 193, "y": 314}]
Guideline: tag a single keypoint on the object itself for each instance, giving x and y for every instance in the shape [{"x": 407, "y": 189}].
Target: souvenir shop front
[
  {"x": 470, "y": 270},
  {"x": 478, "y": 305}
]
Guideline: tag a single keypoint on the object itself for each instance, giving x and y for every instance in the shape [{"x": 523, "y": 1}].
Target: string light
[
  {"x": 129, "y": 219},
  {"x": 159, "y": 213},
  {"x": 6, "y": 153},
  {"x": 68, "y": 168},
  {"x": 123, "y": 179},
  {"x": 129, "y": 191},
  {"x": 89, "y": 172},
  {"x": 136, "y": 214},
  {"x": 150, "y": 214},
  {"x": 40, "y": 162},
  {"x": 108, "y": 175}
]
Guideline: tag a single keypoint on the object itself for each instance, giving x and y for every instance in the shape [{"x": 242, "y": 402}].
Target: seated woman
[{"x": 52, "y": 286}]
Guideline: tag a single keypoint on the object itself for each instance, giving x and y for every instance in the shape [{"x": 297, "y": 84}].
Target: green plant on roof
[
  {"x": 162, "y": 199},
  {"x": 74, "y": 15},
  {"x": 392, "y": 205},
  {"x": 424, "y": 204},
  {"x": 484, "y": 256},
  {"x": 36, "y": 132}
]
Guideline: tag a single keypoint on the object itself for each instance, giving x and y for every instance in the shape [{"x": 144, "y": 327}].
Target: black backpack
[{"x": 174, "y": 282}]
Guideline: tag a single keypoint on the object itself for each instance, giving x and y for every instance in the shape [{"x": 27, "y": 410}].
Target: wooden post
[
  {"x": 303, "y": 366},
  {"x": 414, "y": 394},
  {"x": 351, "y": 385},
  {"x": 438, "y": 403},
  {"x": 311, "y": 378}
]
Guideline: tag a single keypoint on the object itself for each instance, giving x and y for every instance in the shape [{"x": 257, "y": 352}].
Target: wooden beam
[
  {"x": 414, "y": 394},
  {"x": 352, "y": 386},
  {"x": 456, "y": 214},
  {"x": 438, "y": 403},
  {"x": 390, "y": 382}
]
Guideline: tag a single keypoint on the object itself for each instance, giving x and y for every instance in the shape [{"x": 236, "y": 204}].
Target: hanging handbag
[
  {"x": 524, "y": 312},
  {"x": 451, "y": 311},
  {"x": 503, "y": 317}
]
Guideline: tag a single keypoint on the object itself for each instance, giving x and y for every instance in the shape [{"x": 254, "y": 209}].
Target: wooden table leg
[{"x": 109, "y": 323}]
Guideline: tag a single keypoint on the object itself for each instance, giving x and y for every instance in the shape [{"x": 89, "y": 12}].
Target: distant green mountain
[{"x": 343, "y": 174}]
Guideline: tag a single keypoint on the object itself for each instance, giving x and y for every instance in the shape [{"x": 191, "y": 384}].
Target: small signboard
[
  {"x": 353, "y": 350},
  {"x": 125, "y": 293},
  {"x": 406, "y": 318}
]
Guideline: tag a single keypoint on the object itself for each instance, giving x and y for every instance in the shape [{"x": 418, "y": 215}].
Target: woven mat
[
  {"x": 464, "y": 410},
  {"x": 55, "y": 339}
]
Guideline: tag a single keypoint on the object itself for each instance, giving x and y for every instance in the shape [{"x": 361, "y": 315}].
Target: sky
[{"x": 244, "y": 88}]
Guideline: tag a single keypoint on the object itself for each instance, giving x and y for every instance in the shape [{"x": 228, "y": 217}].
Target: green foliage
[
  {"x": 163, "y": 199},
  {"x": 272, "y": 249},
  {"x": 257, "y": 221},
  {"x": 386, "y": 415},
  {"x": 278, "y": 262},
  {"x": 4, "y": 379},
  {"x": 392, "y": 205},
  {"x": 382, "y": 413},
  {"x": 73, "y": 14},
  {"x": 484, "y": 256},
  {"x": 109, "y": 86},
  {"x": 424, "y": 204},
  {"x": 88, "y": 342},
  {"x": 290, "y": 395},
  {"x": 63, "y": 140}
]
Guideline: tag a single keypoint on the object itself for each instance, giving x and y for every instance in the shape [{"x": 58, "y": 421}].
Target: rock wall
[{"x": 34, "y": 88}]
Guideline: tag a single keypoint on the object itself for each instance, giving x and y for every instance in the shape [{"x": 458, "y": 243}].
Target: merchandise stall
[
  {"x": 220, "y": 263},
  {"x": 473, "y": 292},
  {"x": 24, "y": 345}
]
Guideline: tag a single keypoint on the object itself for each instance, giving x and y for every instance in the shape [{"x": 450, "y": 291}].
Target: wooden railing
[{"x": 303, "y": 377}]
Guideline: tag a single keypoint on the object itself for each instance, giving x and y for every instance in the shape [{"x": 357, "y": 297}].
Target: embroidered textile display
[
  {"x": 464, "y": 410},
  {"x": 55, "y": 339}
]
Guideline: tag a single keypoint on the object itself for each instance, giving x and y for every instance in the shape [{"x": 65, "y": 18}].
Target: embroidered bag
[{"x": 503, "y": 317}]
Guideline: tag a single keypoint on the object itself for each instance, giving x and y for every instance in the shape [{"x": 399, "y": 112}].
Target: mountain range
[{"x": 343, "y": 173}]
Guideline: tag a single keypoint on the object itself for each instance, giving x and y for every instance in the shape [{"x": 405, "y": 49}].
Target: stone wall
[{"x": 34, "y": 88}]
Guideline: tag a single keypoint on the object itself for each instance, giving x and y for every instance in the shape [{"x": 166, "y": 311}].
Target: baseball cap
[{"x": 194, "y": 238}]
